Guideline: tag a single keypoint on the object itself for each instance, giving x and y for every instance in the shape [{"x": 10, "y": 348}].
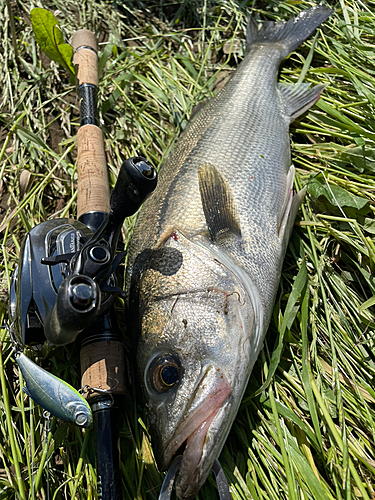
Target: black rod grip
[{"x": 107, "y": 424}]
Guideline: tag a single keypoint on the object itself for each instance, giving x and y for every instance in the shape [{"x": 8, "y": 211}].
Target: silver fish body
[
  {"x": 53, "y": 394},
  {"x": 207, "y": 252}
]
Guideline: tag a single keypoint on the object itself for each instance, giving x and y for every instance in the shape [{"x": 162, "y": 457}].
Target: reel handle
[
  {"x": 78, "y": 303},
  {"x": 93, "y": 188}
]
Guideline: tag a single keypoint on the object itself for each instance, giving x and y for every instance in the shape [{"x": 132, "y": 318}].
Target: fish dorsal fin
[
  {"x": 218, "y": 203},
  {"x": 299, "y": 99}
]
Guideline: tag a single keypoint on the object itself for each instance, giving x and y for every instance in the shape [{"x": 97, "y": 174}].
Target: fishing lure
[{"x": 53, "y": 394}]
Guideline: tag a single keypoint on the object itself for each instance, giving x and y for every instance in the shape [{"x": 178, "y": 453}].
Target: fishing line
[{"x": 47, "y": 427}]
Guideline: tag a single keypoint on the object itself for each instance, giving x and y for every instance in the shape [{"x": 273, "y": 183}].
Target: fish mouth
[{"x": 192, "y": 434}]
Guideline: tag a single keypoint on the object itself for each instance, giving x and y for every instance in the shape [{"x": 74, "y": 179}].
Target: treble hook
[{"x": 15, "y": 345}]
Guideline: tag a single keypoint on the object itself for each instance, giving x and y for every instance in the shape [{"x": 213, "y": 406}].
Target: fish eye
[{"x": 164, "y": 372}]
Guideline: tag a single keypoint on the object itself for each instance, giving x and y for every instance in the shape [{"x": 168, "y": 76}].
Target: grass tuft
[{"x": 305, "y": 429}]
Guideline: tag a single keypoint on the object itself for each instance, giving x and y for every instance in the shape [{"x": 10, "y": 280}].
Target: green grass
[{"x": 305, "y": 429}]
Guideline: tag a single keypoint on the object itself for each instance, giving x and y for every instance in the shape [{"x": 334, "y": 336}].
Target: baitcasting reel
[{"x": 65, "y": 278}]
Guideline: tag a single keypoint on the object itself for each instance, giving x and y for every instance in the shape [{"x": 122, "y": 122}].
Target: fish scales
[
  {"x": 207, "y": 251},
  {"x": 242, "y": 136}
]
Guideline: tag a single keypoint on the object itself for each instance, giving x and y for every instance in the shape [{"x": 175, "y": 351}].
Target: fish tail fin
[{"x": 288, "y": 35}]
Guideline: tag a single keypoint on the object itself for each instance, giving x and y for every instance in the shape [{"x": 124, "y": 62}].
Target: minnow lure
[{"x": 53, "y": 394}]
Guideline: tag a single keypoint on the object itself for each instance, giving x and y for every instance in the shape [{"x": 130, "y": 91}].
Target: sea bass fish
[{"x": 207, "y": 251}]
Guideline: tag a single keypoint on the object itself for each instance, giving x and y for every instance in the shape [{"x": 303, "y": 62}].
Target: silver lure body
[
  {"x": 53, "y": 394},
  {"x": 208, "y": 247}
]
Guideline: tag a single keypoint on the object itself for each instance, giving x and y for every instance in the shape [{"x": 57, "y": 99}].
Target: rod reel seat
[{"x": 65, "y": 277}]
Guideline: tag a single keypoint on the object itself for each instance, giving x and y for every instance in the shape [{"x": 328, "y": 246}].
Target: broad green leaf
[
  {"x": 369, "y": 225},
  {"x": 66, "y": 52},
  {"x": 50, "y": 38},
  {"x": 331, "y": 198}
]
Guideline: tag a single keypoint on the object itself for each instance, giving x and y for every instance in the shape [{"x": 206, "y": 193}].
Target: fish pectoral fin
[
  {"x": 290, "y": 207},
  {"x": 299, "y": 99},
  {"x": 218, "y": 203}
]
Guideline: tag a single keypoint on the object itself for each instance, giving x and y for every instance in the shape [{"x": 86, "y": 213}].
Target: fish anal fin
[
  {"x": 218, "y": 203},
  {"x": 291, "y": 206},
  {"x": 299, "y": 99}
]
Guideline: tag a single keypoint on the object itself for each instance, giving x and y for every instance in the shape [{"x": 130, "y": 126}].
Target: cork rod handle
[
  {"x": 93, "y": 188},
  {"x": 102, "y": 361}
]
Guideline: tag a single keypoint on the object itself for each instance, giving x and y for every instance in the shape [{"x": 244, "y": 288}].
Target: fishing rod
[
  {"x": 66, "y": 283},
  {"x": 102, "y": 342},
  {"x": 102, "y": 352}
]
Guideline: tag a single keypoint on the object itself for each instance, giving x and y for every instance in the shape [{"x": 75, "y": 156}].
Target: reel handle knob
[{"x": 136, "y": 181}]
